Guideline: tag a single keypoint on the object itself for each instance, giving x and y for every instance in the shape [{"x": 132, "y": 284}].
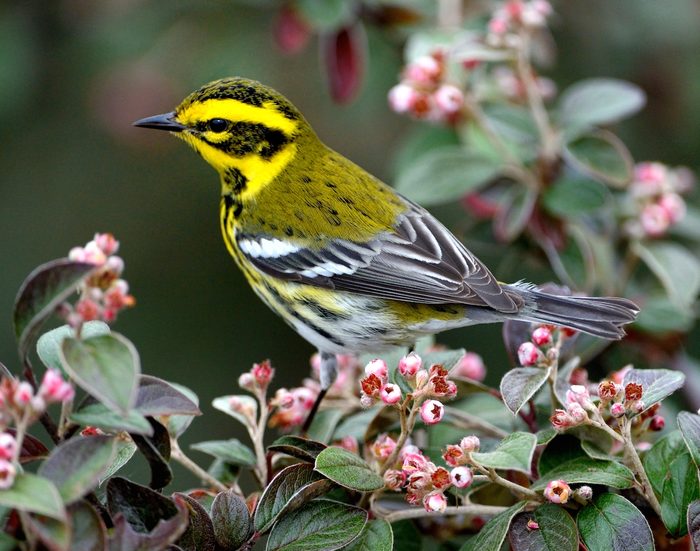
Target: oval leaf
[
  {"x": 199, "y": 535},
  {"x": 76, "y": 466},
  {"x": 517, "y": 211},
  {"x": 301, "y": 448},
  {"x": 657, "y": 384},
  {"x": 87, "y": 528},
  {"x": 44, "y": 289},
  {"x": 231, "y": 451},
  {"x": 689, "y": 423},
  {"x": 348, "y": 470},
  {"x": 49, "y": 344},
  {"x": 557, "y": 530},
  {"x": 141, "y": 507},
  {"x": 520, "y": 384},
  {"x": 158, "y": 397},
  {"x": 513, "y": 453},
  {"x": 289, "y": 490},
  {"x": 610, "y": 522},
  {"x": 320, "y": 525},
  {"x": 659, "y": 457},
  {"x": 324, "y": 424},
  {"x": 598, "y": 101},
  {"x": 222, "y": 403},
  {"x": 694, "y": 524},
  {"x": 34, "y": 494},
  {"x": 106, "y": 366},
  {"x": 491, "y": 536},
  {"x": 679, "y": 491},
  {"x": 377, "y": 536},
  {"x": 573, "y": 197},
  {"x": 344, "y": 53},
  {"x": 601, "y": 155},
  {"x": 97, "y": 415},
  {"x": 445, "y": 174},
  {"x": 178, "y": 424},
  {"x": 231, "y": 520},
  {"x": 125, "y": 451},
  {"x": 584, "y": 470}
]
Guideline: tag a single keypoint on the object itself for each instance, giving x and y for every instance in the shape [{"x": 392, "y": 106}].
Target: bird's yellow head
[{"x": 247, "y": 131}]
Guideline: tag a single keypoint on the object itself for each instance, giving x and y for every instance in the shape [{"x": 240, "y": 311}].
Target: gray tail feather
[{"x": 599, "y": 316}]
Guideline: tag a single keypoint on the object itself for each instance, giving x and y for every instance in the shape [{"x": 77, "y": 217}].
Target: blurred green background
[{"x": 74, "y": 75}]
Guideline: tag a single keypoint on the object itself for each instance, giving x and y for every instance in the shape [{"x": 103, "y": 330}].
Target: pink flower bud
[
  {"x": 557, "y": 491},
  {"x": 585, "y": 493},
  {"x": 366, "y": 401},
  {"x": 94, "y": 255},
  {"x": 383, "y": 446},
  {"x": 532, "y": 525},
  {"x": 542, "y": 6},
  {"x": 394, "y": 479},
  {"x": 617, "y": 410},
  {"x": 402, "y": 98},
  {"x": 470, "y": 444},
  {"x": 7, "y": 474},
  {"x": 409, "y": 365},
  {"x": 107, "y": 243},
  {"x": 529, "y": 354},
  {"x": 432, "y": 412},
  {"x": 577, "y": 413},
  {"x": 115, "y": 264},
  {"x": 54, "y": 389},
  {"x": 578, "y": 394},
  {"x": 413, "y": 462},
  {"x": 262, "y": 373},
  {"x": 637, "y": 407},
  {"x": 561, "y": 419},
  {"x": 498, "y": 25},
  {"x": 349, "y": 443},
  {"x": 8, "y": 446},
  {"x": 435, "y": 502},
  {"x": 648, "y": 172},
  {"x": 23, "y": 394},
  {"x": 655, "y": 220},
  {"x": 377, "y": 367},
  {"x": 246, "y": 381},
  {"x": 390, "y": 394},
  {"x": 542, "y": 336},
  {"x": 421, "y": 378},
  {"x": 471, "y": 366},
  {"x": 423, "y": 70},
  {"x": 454, "y": 455},
  {"x": 657, "y": 423},
  {"x": 407, "y": 450},
  {"x": 87, "y": 309},
  {"x": 461, "y": 477},
  {"x": 77, "y": 254},
  {"x": 449, "y": 99},
  {"x": 674, "y": 205}
]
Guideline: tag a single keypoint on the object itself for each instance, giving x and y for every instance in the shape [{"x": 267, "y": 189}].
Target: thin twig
[
  {"x": 635, "y": 463},
  {"x": 512, "y": 486},
  {"x": 178, "y": 455},
  {"x": 420, "y": 512},
  {"x": 407, "y": 424}
]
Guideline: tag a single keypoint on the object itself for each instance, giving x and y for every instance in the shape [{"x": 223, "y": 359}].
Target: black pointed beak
[{"x": 166, "y": 121}]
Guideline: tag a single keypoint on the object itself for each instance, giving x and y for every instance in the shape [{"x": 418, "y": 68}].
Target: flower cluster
[
  {"x": 656, "y": 195},
  {"x": 541, "y": 348},
  {"x": 513, "y": 16},
  {"x": 104, "y": 294},
  {"x": 424, "y": 93},
  {"x": 470, "y": 366},
  {"x": 578, "y": 404},
  {"x": 258, "y": 378}
]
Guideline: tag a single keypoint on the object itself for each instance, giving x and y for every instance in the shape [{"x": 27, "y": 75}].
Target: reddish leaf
[
  {"x": 344, "y": 52},
  {"x": 291, "y": 32},
  {"x": 32, "y": 449}
]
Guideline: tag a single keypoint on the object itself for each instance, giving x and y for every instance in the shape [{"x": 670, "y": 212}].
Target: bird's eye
[{"x": 218, "y": 125}]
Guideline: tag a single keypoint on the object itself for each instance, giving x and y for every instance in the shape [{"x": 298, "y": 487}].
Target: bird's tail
[{"x": 599, "y": 316}]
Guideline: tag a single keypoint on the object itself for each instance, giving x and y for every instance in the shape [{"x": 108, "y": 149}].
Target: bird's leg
[{"x": 327, "y": 374}]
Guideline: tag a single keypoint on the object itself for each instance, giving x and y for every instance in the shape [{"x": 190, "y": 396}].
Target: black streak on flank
[
  {"x": 231, "y": 202},
  {"x": 235, "y": 179}
]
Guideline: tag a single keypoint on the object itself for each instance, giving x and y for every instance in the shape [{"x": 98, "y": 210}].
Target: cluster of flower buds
[
  {"x": 578, "y": 405},
  {"x": 541, "y": 347},
  {"x": 423, "y": 92},
  {"x": 18, "y": 399},
  {"x": 8, "y": 454},
  {"x": 507, "y": 20},
  {"x": 292, "y": 407},
  {"x": 628, "y": 399},
  {"x": 375, "y": 385},
  {"x": 656, "y": 193},
  {"x": 104, "y": 294},
  {"x": 470, "y": 366},
  {"x": 258, "y": 378},
  {"x": 512, "y": 86}
]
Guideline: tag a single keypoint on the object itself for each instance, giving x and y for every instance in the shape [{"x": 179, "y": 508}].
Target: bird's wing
[{"x": 420, "y": 261}]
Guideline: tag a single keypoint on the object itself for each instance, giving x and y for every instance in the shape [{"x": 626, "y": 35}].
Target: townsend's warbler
[{"x": 350, "y": 264}]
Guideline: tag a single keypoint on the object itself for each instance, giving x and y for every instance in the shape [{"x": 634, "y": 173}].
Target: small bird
[{"x": 349, "y": 263}]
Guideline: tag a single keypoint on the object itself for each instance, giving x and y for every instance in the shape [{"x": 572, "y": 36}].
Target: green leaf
[
  {"x": 156, "y": 450},
  {"x": 520, "y": 384},
  {"x": 34, "y": 494},
  {"x": 491, "y": 536},
  {"x": 156, "y": 397},
  {"x": 657, "y": 384},
  {"x": 348, "y": 470},
  {"x": 512, "y": 218},
  {"x": 516, "y": 128},
  {"x": 545, "y": 436},
  {"x": 321, "y": 525},
  {"x": 44, "y": 289},
  {"x": 689, "y": 424},
  {"x": 97, "y": 415},
  {"x": 660, "y": 315},
  {"x": 676, "y": 267},
  {"x": 296, "y": 446},
  {"x": 291, "y": 488},
  {"x": 125, "y": 451},
  {"x": 199, "y": 535},
  {"x": 376, "y": 536},
  {"x": 88, "y": 531},
  {"x": 445, "y": 174},
  {"x": 54, "y": 534},
  {"x": 325, "y": 15},
  {"x": 680, "y": 490},
  {"x": 76, "y": 466},
  {"x": 513, "y": 453},
  {"x": 231, "y": 451},
  {"x": 601, "y": 155},
  {"x": 657, "y": 460},
  {"x": 49, "y": 344},
  {"x": 406, "y": 536},
  {"x": 106, "y": 366},
  {"x": 584, "y": 470},
  {"x": 355, "y": 425},
  {"x": 598, "y": 101},
  {"x": 324, "y": 424},
  {"x": 231, "y": 520},
  {"x": 557, "y": 530},
  {"x": 562, "y": 448},
  {"x": 178, "y": 424},
  {"x": 420, "y": 141},
  {"x": 574, "y": 196},
  {"x": 223, "y": 403},
  {"x": 610, "y": 522}
]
